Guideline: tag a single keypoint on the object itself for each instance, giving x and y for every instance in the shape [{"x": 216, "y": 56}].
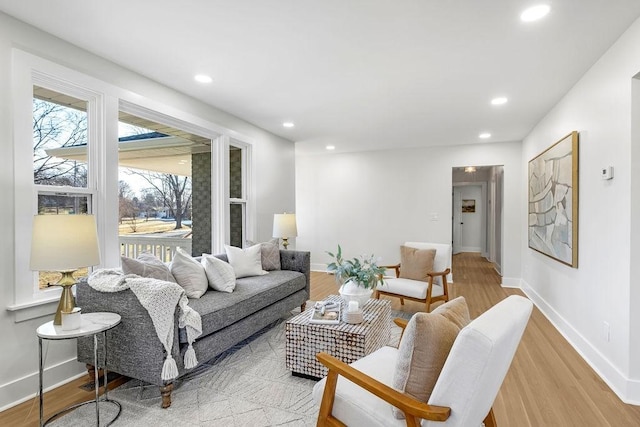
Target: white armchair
[
  {"x": 360, "y": 394},
  {"x": 436, "y": 286}
]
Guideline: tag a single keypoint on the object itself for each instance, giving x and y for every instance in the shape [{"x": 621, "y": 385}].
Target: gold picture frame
[{"x": 553, "y": 201}]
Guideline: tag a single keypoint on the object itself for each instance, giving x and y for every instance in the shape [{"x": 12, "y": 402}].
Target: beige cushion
[
  {"x": 424, "y": 348},
  {"x": 269, "y": 253},
  {"x": 147, "y": 265},
  {"x": 189, "y": 274},
  {"x": 219, "y": 273},
  {"x": 416, "y": 263}
]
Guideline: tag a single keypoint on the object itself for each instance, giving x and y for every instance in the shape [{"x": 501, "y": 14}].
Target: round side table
[{"x": 92, "y": 324}]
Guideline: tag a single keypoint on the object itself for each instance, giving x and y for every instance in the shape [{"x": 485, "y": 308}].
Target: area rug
[{"x": 247, "y": 385}]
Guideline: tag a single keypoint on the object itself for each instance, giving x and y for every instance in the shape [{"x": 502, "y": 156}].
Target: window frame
[
  {"x": 30, "y": 71},
  {"x": 104, "y": 102}
]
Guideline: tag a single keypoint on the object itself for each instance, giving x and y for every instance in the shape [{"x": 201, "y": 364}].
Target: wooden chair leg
[
  {"x": 377, "y": 295},
  {"x": 445, "y": 288},
  {"x": 490, "y": 419},
  {"x": 401, "y": 301},
  {"x": 303, "y": 306},
  {"x": 92, "y": 373},
  {"x": 165, "y": 391}
]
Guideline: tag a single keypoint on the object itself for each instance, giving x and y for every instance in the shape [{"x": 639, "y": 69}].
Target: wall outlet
[{"x": 606, "y": 331}]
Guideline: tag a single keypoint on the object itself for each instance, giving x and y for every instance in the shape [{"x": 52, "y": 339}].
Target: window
[
  {"x": 237, "y": 197},
  {"x": 67, "y": 156},
  {"x": 159, "y": 167},
  {"x": 60, "y": 168}
]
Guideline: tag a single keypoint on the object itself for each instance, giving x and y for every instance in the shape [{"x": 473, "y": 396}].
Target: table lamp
[
  {"x": 284, "y": 226},
  {"x": 64, "y": 243}
]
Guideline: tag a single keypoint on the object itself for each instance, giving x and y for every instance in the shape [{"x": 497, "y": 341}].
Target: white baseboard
[
  {"x": 511, "y": 282},
  {"x": 628, "y": 390},
  {"x": 470, "y": 249},
  {"x": 322, "y": 268},
  {"x": 26, "y": 388}
]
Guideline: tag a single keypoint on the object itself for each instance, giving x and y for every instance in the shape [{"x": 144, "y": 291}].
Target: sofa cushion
[
  {"x": 245, "y": 262},
  {"x": 189, "y": 274},
  {"x": 147, "y": 265},
  {"x": 219, "y": 309},
  {"x": 219, "y": 273},
  {"x": 269, "y": 253}
]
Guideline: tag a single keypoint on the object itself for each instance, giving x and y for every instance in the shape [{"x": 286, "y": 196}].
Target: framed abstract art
[{"x": 553, "y": 201}]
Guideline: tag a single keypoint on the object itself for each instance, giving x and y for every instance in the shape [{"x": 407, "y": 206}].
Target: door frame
[{"x": 483, "y": 215}]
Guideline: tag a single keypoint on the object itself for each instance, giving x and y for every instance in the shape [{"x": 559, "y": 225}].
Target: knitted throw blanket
[{"x": 159, "y": 298}]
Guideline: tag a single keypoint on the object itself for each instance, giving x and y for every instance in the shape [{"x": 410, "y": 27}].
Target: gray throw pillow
[
  {"x": 147, "y": 265},
  {"x": 269, "y": 253}
]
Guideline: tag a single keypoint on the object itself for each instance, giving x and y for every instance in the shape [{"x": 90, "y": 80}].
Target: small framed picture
[{"x": 468, "y": 205}]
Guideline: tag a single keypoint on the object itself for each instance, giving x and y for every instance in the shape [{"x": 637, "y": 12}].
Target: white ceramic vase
[{"x": 352, "y": 291}]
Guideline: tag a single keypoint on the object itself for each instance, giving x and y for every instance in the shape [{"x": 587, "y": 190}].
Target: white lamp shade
[
  {"x": 64, "y": 242},
  {"x": 284, "y": 225}
]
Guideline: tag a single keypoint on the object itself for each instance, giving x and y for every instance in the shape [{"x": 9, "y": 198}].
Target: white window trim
[
  {"x": 220, "y": 199},
  {"x": 29, "y": 70},
  {"x": 105, "y": 101}
]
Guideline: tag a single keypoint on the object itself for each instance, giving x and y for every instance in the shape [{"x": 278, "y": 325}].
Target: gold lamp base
[
  {"x": 285, "y": 242},
  {"x": 67, "y": 300}
]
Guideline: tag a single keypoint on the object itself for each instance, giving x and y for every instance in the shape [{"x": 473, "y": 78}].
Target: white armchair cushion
[
  {"x": 355, "y": 406},
  {"x": 409, "y": 288},
  {"x": 478, "y": 362}
]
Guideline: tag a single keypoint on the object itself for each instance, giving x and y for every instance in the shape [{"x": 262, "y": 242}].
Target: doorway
[{"x": 477, "y": 196}]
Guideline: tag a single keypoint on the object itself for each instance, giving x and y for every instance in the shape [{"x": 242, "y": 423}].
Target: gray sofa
[{"x": 227, "y": 318}]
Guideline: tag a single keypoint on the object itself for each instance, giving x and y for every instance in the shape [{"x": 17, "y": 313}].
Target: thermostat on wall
[{"x": 607, "y": 172}]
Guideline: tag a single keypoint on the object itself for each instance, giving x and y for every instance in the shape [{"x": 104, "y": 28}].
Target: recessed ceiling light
[
  {"x": 288, "y": 124},
  {"x": 202, "y": 78},
  {"x": 499, "y": 100},
  {"x": 484, "y": 135},
  {"x": 535, "y": 12},
  {"x": 330, "y": 147}
]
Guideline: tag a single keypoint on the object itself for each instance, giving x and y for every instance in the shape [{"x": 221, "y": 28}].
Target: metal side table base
[{"x": 92, "y": 324}]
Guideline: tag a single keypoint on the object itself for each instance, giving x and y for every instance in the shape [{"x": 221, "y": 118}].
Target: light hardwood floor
[{"x": 548, "y": 384}]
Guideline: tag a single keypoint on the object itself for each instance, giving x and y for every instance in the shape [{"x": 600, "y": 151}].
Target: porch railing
[{"x": 162, "y": 247}]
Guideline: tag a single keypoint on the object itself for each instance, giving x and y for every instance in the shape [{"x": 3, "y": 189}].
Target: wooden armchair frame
[
  {"x": 413, "y": 409},
  {"x": 429, "y": 299}
]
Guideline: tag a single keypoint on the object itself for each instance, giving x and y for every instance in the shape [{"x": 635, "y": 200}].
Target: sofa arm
[
  {"x": 297, "y": 261},
  {"x": 134, "y": 349}
]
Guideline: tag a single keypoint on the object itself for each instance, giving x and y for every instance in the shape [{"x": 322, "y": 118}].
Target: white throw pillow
[
  {"x": 189, "y": 274},
  {"x": 245, "y": 262},
  {"x": 219, "y": 273}
]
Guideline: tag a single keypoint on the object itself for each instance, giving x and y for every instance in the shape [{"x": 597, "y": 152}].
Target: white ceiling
[{"x": 359, "y": 74}]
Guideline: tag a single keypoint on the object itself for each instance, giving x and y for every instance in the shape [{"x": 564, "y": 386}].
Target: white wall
[
  {"x": 601, "y": 289},
  {"x": 372, "y": 202},
  {"x": 274, "y": 169}
]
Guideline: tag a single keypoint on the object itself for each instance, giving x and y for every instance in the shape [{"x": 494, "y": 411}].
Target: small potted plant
[{"x": 358, "y": 276}]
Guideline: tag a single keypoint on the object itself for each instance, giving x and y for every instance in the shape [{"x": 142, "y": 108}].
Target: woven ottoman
[{"x": 345, "y": 341}]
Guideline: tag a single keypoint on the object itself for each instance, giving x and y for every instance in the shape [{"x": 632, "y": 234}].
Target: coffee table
[{"x": 345, "y": 341}]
